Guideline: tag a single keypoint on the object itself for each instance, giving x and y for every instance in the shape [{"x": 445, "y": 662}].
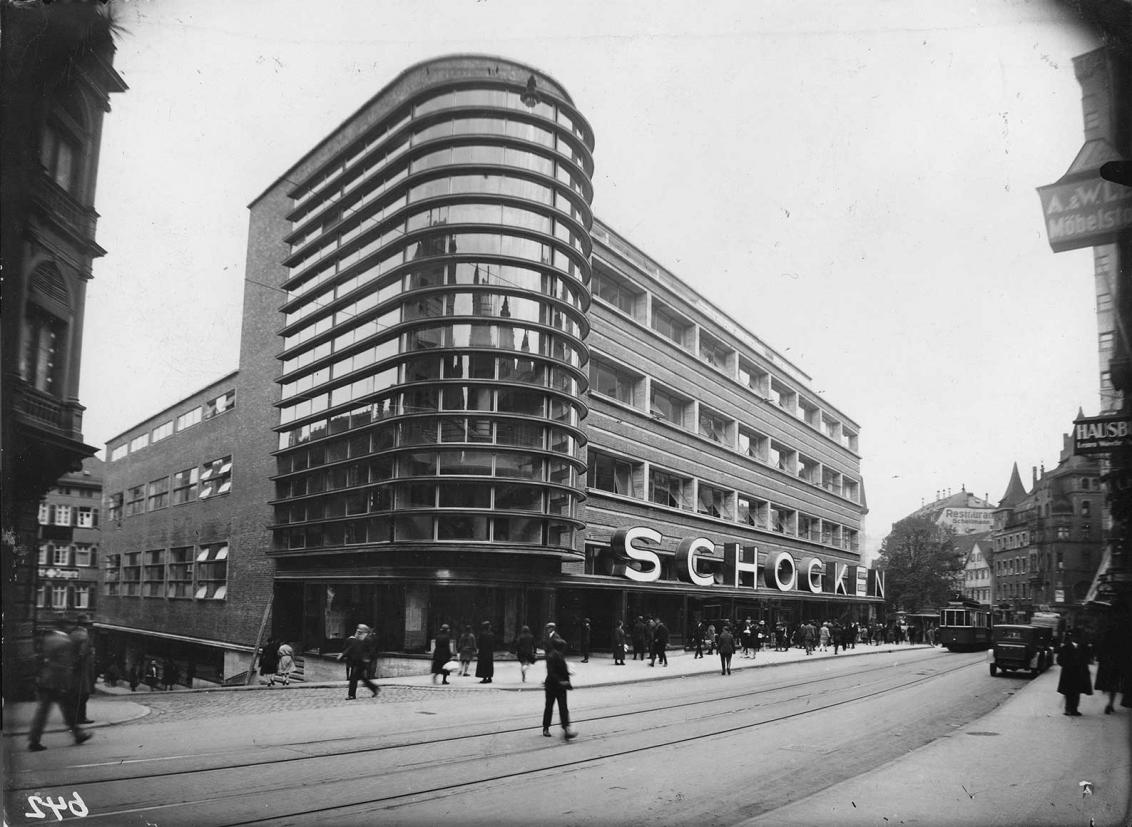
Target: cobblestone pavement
[{"x": 183, "y": 706}]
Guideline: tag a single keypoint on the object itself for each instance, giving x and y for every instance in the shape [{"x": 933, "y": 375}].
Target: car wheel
[{"x": 993, "y": 670}]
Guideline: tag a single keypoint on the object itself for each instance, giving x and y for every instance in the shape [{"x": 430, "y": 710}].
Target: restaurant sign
[
  {"x": 967, "y": 520},
  {"x": 739, "y": 567},
  {"x": 1100, "y": 434}
]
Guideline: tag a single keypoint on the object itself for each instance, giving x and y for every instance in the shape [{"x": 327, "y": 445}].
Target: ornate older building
[
  {"x": 57, "y": 82},
  {"x": 1048, "y": 543},
  {"x": 70, "y": 536}
]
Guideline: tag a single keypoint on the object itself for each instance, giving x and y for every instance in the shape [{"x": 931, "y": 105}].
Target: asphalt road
[{"x": 697, "y": 750}]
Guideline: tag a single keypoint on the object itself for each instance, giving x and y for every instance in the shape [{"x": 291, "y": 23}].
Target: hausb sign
[
  {"x": 1101, "y": 434},
  {"x": 740, "y": 567}
]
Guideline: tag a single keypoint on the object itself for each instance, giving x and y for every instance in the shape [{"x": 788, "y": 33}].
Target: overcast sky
[{"x": 853, "y": 182}]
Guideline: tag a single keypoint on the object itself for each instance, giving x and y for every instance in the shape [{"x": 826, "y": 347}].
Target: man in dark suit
[
  {"x": 726, "y": 649},
  {"x": 557, "y": 684},
  {"x": 56, "y": 684},
  {"x": 358, "y": 653},
  {"x": 659, "y": 644}
]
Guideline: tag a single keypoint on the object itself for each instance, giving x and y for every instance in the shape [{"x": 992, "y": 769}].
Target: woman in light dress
[{"x": 286, "y": 665}]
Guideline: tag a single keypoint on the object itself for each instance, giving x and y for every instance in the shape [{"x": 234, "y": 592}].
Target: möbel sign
[
  {"x": 1083, "y": 210},
  {"x": 740, "y": 567}
]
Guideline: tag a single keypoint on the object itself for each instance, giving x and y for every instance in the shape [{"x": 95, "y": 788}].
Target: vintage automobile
[{"x": 1020, "y": 648}]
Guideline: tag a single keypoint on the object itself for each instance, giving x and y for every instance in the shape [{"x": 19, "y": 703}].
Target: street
[{"x": 706, "y": 749}]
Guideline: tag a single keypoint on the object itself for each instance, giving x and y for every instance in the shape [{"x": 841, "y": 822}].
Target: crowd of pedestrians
[
  {"x": 751, "y": 637},
  {"x": 66, "y": 671}
]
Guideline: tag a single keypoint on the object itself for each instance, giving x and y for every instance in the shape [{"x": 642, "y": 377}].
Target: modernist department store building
[{"x": 462, "y": 398}]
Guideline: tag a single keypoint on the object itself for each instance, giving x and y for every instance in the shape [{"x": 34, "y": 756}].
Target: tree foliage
[{"x": 921, "y": 564}]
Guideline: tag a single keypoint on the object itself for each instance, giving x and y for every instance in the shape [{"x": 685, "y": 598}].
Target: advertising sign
[
  {"x": 968, "y": 520},
  {"x": 1100, "y": 434},
  {"x": 60, "y": 574},
  {"x": 1084, "y": 210},
  {"x": 636, "y": 558}
]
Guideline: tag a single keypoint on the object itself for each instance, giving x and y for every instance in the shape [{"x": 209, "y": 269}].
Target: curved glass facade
[{"x": 433, "y": 332}]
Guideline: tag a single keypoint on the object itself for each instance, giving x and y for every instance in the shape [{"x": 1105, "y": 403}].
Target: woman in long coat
[
  {"x": 269, "y": 659},
  {"x": 1073, "y": 658},
  {"x": 441, "y": 653},
  {"x": 1110, "y": 670},
  {"x": 485, "y": 664}
]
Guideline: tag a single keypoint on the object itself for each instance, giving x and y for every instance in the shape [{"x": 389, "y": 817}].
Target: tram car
[{"x": 964, "y": 626}]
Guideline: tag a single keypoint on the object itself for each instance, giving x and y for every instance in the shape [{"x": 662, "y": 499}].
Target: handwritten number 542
[{"x": 56, "y": 805}]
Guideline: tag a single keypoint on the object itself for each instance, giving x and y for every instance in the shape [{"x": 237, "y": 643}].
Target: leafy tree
[{"x": 921, "y": 564}]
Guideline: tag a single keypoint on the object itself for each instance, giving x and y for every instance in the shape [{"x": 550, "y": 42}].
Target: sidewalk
[
  {"x": 1024, "y": 763},
  {"x": 601, "y": 671},
  {"x": 104, "y": 710}
]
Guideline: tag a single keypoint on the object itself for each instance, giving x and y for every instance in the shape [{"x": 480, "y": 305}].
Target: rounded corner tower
[{"x": 430, "y": 345}]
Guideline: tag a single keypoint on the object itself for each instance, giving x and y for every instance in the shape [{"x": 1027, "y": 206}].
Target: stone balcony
[
  {"x": 64, "y": 211},
  {"x": 45, "y": 412}
]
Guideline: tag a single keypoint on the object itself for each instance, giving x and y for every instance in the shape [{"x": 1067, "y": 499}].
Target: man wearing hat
[
  {"x": 358, "y": 653},
  {"x": 549, "y": 635},
  {"x": 585, "y": 640}
]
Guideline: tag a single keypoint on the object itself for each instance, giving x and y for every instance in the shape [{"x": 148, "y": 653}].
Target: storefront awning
[{"x": 1098, "y": 589}]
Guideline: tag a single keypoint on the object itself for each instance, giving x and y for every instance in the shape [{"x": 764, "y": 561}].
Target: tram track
[
  {"x": 479, "y": 769},
  {"x": 443, "y": 736}
]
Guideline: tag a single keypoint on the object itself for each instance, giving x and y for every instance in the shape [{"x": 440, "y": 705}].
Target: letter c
[{"x": 686, "y": 561}]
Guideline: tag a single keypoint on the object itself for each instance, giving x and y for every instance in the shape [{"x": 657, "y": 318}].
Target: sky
[{"x": 853, "y": 182}]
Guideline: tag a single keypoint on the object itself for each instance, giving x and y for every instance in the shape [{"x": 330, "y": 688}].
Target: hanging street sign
[
  {"x": 1085, "y": 212},
  {"x": 1082, "y": 209},
  {"x": 1101, "y": 434}
]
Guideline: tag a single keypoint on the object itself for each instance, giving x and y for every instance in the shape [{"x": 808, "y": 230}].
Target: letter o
[{"x": 776, "y": 566}]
